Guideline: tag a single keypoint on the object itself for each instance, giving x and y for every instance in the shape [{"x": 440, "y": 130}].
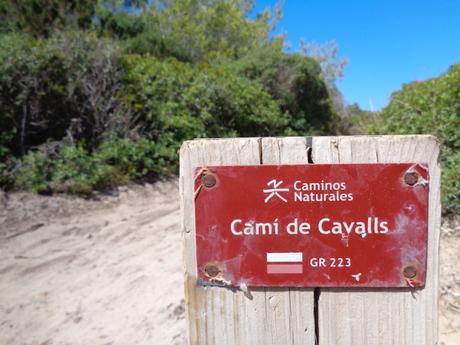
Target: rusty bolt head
[
  {"x": 211, "y": 270},
  {"x": 411, "y": 178},
  {"x": 410, "y": 272},
  {"x": 209, "y": 180}
]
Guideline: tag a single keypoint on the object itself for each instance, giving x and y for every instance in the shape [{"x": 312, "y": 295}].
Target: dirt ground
[
  {"x": 449, "y": 309},
  {"x": 109, "y": 270}
]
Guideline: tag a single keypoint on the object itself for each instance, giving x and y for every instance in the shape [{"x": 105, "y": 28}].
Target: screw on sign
[
  {"x": 212, "y": 270},
  {"x": 411, "y": 178},
  {"x": 410, "y": 272},
  {"x": 208, "y": 180},
  {"x": 348, "y": 225}
]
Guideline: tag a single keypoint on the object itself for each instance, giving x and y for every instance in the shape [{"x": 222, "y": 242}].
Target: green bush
[
  {"x": 34, "y": 172},
  {"x": 41, "y": 18},
  {"x": 120, "y": 24},
  {"x": 76, "y": 170},
  {"x": 152, "y": 43},
  {"x": 132, "y": 158},
  {"x": 450, "y": 180},
  {"x": 65, "y": 87},
  {"x": 175, "y": 101},
  {"x": 88, "y": 109},
  {"x": 140, "y": 34},
  {"x": 16, "y": 57},
  {"x": 5, "y": 180},
  {"x": 193, "y": 31},
  {"x": 430, "y": 107},
  {"x": 295, "y": 81}
]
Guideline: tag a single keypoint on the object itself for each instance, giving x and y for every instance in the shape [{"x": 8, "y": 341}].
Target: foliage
[
  {"x": 6, "y": 175},
  {"x": 92, "y": 95},
  {"x": 180, "y": 102},
  {"x": 431, "y": 107},
  {"x": 15, "y": 53},
  {"x": 41, "y": 18},
  {"x": 355, "y": 120},
  {"x": 450, "y": 180},
  {"x": 295, "y": 81},
  {"x": 64, "y": 87},
  {"x": 77, "y": 170},
  {"x": 34, "y": 172},
  {"x": 133, "y": 159},
  {"x": 74, "y": 171},
  {"x": 139, "y": 34},
  {"x": 192, "y": 30},
  {"x": 332, "y": 68},
  {"x": 120, "y": 24}
]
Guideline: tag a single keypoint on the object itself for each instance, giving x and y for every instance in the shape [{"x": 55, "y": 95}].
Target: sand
[
  {"x": 109, "y": 270},
  {"x": 92, "y": 272}
]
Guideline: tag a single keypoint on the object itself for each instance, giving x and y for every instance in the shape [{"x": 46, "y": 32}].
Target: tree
[
  {"x": 431, "y": 107},
  {"x": 202, "y": 31},
  {"x": 40, "y": 18},
  {"x": 295, "y": 81},
  {"x": 332, "y": 69},
  {"x": 67, "y": 86}
]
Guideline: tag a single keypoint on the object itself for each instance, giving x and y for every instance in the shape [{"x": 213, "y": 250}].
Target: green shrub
[
  {"x": 175, "y": 101},
  {"x": 152, "y": 43},
  {"x": 16, "y": 57},
  {"x": 132, "y": 158},
  {"x": 430, "y": 107},
  {"x": 41, "y": 18},
  {"x": 295, "y": 81},
  {"x": 65, "y": 87},
  {"x": 7, "y": 175},
  {"x": 120, "y": 24},
  {"x": 34, "y": 172},
  {"x": 7, "y": 135},
  {"x": 450, "y": 180},
  {"x": 84, "y": 110},
  {"x": 76, "y": 170},
  {"x": 193, "y": 31}
]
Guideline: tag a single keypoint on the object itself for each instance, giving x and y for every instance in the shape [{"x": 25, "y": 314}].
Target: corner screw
[
  {"x": 208, "y": 180},
  {"x": 411, "y": 178},
  {"x": 211, "y": 270},
  {"x": 409, "y": 272}
]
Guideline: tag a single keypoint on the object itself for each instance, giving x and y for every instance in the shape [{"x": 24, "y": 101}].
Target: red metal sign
[{"x": 312, "y": 225}]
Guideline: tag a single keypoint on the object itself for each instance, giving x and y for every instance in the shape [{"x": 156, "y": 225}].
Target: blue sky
[{"x": 387, "y": 42}]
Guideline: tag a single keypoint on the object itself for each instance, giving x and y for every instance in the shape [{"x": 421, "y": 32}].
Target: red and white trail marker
[{"x": 285, "y": 263}]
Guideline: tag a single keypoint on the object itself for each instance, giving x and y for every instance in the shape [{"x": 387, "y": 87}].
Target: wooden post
[
  {"x": 384, "y": 316},
  {"x": 217, "y": 315}
]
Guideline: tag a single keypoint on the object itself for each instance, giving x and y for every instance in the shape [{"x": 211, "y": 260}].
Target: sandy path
[
  {"x": 109, "y": 271},
  {"x": 449, "y": 308},
  {"x": 111, "y": 275}
]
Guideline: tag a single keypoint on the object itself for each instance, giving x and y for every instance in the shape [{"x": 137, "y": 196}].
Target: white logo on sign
[{"x": 275, "y": 190}]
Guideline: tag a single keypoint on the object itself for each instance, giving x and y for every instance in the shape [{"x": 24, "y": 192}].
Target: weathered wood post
[{"x": 296, "y": 302}]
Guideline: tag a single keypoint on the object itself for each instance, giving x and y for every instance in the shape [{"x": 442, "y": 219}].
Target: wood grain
[
  {"x": 296, "y": 306},
  {"x": 384, "y": 316},
  {"x": 221, "y": 316},
  {"x": 286, "y": 316}
]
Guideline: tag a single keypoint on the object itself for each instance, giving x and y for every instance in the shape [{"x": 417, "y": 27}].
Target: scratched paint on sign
[{"x": 343, "y": 225}]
